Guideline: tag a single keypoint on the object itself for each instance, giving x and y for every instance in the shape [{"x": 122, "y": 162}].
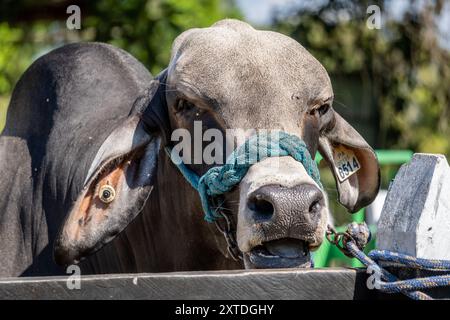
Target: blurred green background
[{"x": 392, "y": 84}]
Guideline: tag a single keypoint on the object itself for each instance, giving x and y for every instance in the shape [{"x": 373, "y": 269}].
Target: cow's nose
[{"x": 271, "y": 202}]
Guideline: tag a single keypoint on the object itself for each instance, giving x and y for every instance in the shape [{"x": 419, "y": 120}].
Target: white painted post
[{"x": 415, "y": 219}]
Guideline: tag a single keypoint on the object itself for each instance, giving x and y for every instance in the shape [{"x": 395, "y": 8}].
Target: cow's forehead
[{"x": 234, "y": 64}]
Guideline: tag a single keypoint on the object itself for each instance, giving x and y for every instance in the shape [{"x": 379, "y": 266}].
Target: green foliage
[
  {"x": 15, "y": 56},
  {"x": 408, "y": 71},
  {"x": 145, "y": 28}
]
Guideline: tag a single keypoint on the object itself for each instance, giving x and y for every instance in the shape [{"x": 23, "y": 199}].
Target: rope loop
[
  {"x": 221, "y": 179},
  {"x": 347, "y": 242}
]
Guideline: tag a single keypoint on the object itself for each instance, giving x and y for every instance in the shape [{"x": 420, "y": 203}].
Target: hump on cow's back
[
  {"x": 234, "y": 24},
  {"x": 78, "y": 84}
]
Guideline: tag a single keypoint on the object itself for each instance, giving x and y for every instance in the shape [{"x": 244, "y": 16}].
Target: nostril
[
  {"x": 262, "y": 209},
  {"x": 315, "y": 206}
]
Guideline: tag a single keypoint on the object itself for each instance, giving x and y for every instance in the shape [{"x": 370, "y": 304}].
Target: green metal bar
[
  {"x": 320, "y": 256},
  {"x": 358, "y": 217},
  {"x": 386, "y": 157},
  {"x": 326, "y": 254},
  {"x": 318, "y": 157}
]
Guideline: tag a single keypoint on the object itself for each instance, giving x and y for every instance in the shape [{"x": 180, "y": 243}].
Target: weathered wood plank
[
  {"x": 240, "y": 284},
  {"x": 415, "y": 219}
]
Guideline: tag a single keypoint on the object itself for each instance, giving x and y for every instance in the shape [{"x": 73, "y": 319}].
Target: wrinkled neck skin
[{"x": 168, "y": 235}]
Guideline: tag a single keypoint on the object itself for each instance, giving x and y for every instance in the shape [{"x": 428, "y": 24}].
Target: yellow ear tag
[
  {"x": 345, "y": 162},
  {"x": 106, "y": 193}
]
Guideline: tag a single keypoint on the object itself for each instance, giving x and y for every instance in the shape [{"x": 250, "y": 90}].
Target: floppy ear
[
  {"x": 353, "y": 163},
  {"x": 119, "y": 181}
]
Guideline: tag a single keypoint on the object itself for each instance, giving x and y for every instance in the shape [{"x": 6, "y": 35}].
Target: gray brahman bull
[{"x": 82, "y": 171}]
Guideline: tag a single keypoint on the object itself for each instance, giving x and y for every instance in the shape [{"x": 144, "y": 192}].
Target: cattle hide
[{"x": 61, "y": 111}]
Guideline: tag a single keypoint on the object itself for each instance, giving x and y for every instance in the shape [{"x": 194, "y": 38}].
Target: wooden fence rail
[{"x": 339, "y": 283}]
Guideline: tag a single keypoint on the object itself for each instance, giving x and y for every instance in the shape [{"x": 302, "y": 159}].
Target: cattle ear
[
  {"x": 119, "y": 181},
  {"x": 346, "y": 152},
  {"x": 154, "y": 112}
]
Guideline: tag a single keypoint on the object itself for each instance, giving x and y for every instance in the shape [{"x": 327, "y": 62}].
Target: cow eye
[
  {"x": 106, "y": 193},
  {"x": 323, "y": 109},
  {"x": 184, "y": 105}
]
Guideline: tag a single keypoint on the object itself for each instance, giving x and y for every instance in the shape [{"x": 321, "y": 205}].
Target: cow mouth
[{"x": 280, "y": 253}]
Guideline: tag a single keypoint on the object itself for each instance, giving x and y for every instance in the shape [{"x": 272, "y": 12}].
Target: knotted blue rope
[
  {"x": 221, "y": 179},
  {"x": 389, "y": 283}
]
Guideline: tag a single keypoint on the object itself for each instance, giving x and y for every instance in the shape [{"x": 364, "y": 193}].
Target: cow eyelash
[
  {"x": 183, "y": 105},
  {"x": 323, "y": 109}
]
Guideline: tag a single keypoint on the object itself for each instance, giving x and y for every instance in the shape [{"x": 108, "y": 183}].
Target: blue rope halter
[{"x": 221, "y": 179}]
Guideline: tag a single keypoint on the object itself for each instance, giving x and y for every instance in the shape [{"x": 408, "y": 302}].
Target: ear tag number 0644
[{"x": 345, "y": 163}]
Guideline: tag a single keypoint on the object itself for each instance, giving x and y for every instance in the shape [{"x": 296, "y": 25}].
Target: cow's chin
[{"x": 280, "y": 253}]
